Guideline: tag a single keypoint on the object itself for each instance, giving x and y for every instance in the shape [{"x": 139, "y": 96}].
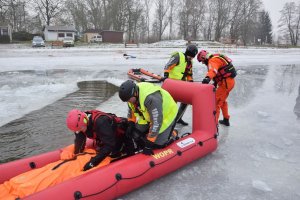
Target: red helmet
[
  {"x": 76, "y": 120},
  {"x": 202, "y": 56}
]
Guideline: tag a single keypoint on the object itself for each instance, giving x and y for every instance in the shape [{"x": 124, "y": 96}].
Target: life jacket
[
  {"x": 169, "y": 106},
  {"x": 225, "y": 71},
  {"x": 177, "y": 73},
  {"x": 119, "y": 122}
]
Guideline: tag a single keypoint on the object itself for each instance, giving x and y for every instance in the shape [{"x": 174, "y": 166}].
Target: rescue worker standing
[
  {"x": 222, "y": 72},
  {"x": 152, "y": 112},
  {"x": 106, "y": 129},
  {"x": 180, "y": 67}
]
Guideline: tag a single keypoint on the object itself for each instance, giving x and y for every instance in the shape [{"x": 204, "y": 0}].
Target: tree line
[{"x": 231, "y": 21}]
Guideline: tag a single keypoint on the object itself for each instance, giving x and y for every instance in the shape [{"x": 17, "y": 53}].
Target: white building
[{"x": 53, "y": 33}]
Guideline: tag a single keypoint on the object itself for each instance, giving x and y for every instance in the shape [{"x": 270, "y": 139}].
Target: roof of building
[
  {"x": 60, "y": 28},
  {"x": 112, "y": 31},
  {"x": 100, "y": 31},
  {"x": 93, "y": 31}
]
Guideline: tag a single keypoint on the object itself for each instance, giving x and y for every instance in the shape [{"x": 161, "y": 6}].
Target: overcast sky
[{"x": 274, "y": 7}]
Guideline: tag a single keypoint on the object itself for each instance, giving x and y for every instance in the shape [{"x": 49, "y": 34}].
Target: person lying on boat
[
  {"x": 151, "y": 114},
  {"x": 106, "y": 129},
  {"x": 180, "y": 67},
  {"x": 52, "y": 174}
]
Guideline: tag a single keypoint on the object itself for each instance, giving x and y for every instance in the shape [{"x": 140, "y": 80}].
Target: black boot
[
  {"x": 182, "y": 122},
  {"x": 224, "y": 122}
]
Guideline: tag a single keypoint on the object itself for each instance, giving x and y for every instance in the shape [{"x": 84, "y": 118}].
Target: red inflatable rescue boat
[{"x": 123, "y": 176}]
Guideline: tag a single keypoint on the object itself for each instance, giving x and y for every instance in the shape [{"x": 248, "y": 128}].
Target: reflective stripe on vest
[
  {"x": 178, "y": 71},
  {"x": 169, "y": 106}
]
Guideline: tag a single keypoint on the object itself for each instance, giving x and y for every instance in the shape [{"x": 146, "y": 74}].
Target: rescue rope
[
  {"x": 71, "y": 159},
  {"x": 78, "y": 195}
]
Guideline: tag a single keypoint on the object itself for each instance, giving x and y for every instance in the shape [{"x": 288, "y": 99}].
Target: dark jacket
[{"x": 106, "y": 138}]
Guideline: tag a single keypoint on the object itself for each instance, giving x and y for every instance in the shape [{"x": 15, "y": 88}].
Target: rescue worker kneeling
[
  {"x": 151, "y": 115},
  {"x": 106, "y": 129}
]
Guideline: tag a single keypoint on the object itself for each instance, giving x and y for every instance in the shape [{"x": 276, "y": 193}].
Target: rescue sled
[
  {"x": 120, "y": 177},
  {"x": 142, "y": 75}
]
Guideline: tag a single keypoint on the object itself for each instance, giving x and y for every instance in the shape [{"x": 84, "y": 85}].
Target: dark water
[{"x": 45, "y": 130}]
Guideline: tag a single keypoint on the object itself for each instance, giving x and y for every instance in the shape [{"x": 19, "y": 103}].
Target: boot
[
  {"x": 224, "y": 122},
  {"x": 182, "y": 122}
]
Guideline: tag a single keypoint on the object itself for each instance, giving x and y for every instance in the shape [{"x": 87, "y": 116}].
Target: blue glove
[
  {"x": 206, "y": 80},
  {"x": 88, "y": 166}
]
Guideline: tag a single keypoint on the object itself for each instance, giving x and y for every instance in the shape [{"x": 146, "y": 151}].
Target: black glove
[
  {"x": 130, "y": 129},
  {"x": 163, "y": 79},
  {"x": 166, "y": 75},
  {"x": 206, "y": 80},
  {"x": 88, "y": 166},
  {"x": 148, "y": 148}
]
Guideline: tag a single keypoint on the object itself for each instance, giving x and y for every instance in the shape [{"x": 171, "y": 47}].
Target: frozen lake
[{"x": 257, "y": 155}]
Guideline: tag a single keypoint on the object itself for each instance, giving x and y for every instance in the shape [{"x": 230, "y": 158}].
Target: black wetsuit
[{"x": 107, "y": 140}]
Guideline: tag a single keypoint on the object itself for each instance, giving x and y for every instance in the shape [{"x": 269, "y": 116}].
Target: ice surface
[{"x": 258, "y": 155}]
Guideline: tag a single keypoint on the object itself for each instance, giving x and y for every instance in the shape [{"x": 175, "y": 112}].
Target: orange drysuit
[
  {"x": 224, "y": 86},
  {"x": 42, "y": 178}
]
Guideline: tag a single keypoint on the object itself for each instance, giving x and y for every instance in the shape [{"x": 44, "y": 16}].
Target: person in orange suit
[{"x": 222, "y": 72}]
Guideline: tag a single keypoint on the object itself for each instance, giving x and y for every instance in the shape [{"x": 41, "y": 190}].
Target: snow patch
[{"x": 260, "y": 185}]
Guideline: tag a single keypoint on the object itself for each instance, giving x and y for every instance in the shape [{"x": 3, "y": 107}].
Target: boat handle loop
[{"x": 78, "y": 195}]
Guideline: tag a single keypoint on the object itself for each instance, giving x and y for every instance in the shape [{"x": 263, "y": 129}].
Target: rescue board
[{"x": 142, "y": 75}]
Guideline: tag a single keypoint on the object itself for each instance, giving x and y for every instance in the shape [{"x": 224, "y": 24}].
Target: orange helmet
[{"x": 76, "y": 120}]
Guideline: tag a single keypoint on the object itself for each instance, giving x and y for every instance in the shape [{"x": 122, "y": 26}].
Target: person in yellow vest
[
  {"x": 180, "y": 67},
  {"x": 152, "y": 112}
]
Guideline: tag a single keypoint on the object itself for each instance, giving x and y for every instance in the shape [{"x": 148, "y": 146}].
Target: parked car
[
  {"x": 38, "y": 41},
  {"x": 96, "y": 39},
  {"x": 68, "y": 42}
]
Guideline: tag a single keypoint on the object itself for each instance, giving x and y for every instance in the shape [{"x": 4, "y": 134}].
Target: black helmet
[
  {"x": 191, "y": 50},
  {"x": 126, "y": 90}
]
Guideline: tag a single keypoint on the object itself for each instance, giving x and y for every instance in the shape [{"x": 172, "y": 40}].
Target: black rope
[
  {"x": 71, "y": 159},
  {"x": 100, "y": 191},
  {"x": 151, "y": 165}
]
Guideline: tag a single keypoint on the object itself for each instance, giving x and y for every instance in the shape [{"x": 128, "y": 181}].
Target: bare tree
[
  {"x": 289, "y": 22},
  {"x": 134, "y": 11},
  {"x": 118, "y": 14},
  {"x": 13, "y": 12},
  {"x": 191, "y": 18},
  {"x": 49, "y": 9},
  {"x": 95, "y": 13},
  {"x": 184, "y": 18},
  {"x": 148, "y": 5},
  {"x": 172, "y": 4},
  {"x": 161, "y": 19},
  {"x": 209, "y": 21},
  {"x": 235, "y": 20},
  {"x": 249, "y": 13},
  {"x": 221, "y": 15},
  {"x": 197, "y": 17},
  {"x": 78, "y": 12}
]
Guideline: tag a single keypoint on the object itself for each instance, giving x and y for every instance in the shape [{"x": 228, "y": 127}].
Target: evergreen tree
[
  {"x": 267, "y": 28},
  {"x": 264, "y": 28}
]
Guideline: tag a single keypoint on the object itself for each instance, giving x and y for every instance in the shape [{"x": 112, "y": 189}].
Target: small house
[
  {"x": 107, "y": 36},
  {"x": 53, "y": 33},
  {"x": 90, "y": 33}
]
